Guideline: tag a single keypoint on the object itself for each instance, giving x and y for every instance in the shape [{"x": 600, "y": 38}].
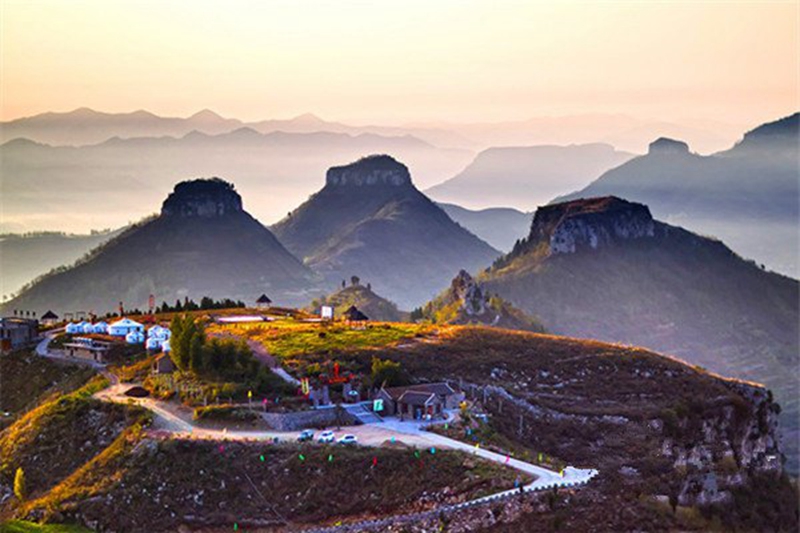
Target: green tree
[
  {"x": 20, "y": 490},
  {"x": 386, "y": 373}
]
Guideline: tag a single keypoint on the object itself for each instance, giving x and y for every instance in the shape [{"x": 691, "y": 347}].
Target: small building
[
  {"x": 134, "y": 337},
  {"x": 163, "y": 364},
  {"x": 122, "y": 327},
  {"x": 263, "y": 301},
  {"x": 87, "y": 348},
  {"x": 100, "y": 328},
  {"x": 419, "y": 401},
  {"x": 354, "y": 315},
  {"x": 49, "y": 318},
  {"x": 17, "y": 332}
]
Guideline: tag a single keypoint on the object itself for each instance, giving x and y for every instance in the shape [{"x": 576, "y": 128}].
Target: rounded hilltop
[
  {"x": 371, "y": 170},
  {"x": 205, "y": 197}
]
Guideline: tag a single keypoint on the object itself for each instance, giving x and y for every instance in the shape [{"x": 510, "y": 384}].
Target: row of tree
[
  {"x": 205, "y": 304},
  {"x": 192, "y": 351}
]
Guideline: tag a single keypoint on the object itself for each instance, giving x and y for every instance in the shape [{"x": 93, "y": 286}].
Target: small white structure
[
  {"x": 165, "y": 346},
  {"x": 134, "y": 337},
  {"x": 121, "y": 328},
  {"x": 73, "y": 328},
  {"x": 88, "y": 327},
  {"x": 158, "y": 332},
  {"x": 327, "y": 312},
  {"x": 100, "y": 327},
  {"x": 153, "y": 343}
]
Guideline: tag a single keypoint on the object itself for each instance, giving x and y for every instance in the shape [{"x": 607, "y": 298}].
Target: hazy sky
[{"x": 402, "y": 61}]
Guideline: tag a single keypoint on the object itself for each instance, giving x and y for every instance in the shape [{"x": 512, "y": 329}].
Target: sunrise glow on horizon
[{"x": 403, "y": 62}]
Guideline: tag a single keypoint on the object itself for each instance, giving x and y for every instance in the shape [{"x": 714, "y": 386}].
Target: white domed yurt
[
  {"x": 87, "y": 327},
  {"x": 122, "y": 327},
  {"x": 158, "y": 332},
  {"x": 134, "y": 337},
  {"x": 73, "y": 328},
  {"x": 153, "y": 343},
  {"x": 100, "y": 327},
  {"x": 165, "y": 346}
]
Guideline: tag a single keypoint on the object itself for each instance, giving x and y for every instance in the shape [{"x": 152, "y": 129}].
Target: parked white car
[
  {"x": 327, "y": 437},
  {"x": 348, "y": 439}
]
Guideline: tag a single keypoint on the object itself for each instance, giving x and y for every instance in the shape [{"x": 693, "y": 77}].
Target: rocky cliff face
[
  {"x": 464, "y": 288},
  {"x": 592, "y": 223},
  {"x": 202, "y": 198},
  {"x": 372, "y": 170}
]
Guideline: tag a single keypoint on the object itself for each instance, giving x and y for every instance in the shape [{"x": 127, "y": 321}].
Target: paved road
[{"x": 176, "y": 420}]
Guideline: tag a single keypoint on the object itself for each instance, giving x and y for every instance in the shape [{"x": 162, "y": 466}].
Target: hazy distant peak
[
  {"x": 206, "y": 115},
  {"x": 370, "y": 170},
  {"x": 665, "y": 145},
  {"x": 308, "y": 118}
]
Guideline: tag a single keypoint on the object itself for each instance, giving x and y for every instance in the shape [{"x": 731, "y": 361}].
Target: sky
[{"x": 398, "y": 62}]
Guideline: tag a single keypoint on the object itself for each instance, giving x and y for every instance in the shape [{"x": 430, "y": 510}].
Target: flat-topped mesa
[
  {"x": 370, "y": 170},
  {"x": 666, "y": 146},
  {"x": 202, "y": 198},
  {"x": 592, "y": 223}
]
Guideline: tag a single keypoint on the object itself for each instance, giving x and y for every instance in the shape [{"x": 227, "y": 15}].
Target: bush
[
  {"x": 225, "y": 412},
  {"x": 20, "y": 490}
]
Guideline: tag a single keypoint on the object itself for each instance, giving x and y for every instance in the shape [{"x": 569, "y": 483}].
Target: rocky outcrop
[
  {"x": 372, "y": 170},
  {"x": 202, "y": 198},
  {"x": 465, "y": 289},
  {"x": 592, "y": 223}
]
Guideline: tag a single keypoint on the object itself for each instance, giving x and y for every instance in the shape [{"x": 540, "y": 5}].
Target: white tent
[
  {"x": 153, "y": 343},
  {"x": 73, "y": 328},
  {"x": 165, "y": 346},
  {"x": 158, "y": 332},
  {"x": 87, "y": 328},
  {"x": 100, "y": 327},
  {"x": 123, "y": 327},
  {"x": 134, "y": 337}
]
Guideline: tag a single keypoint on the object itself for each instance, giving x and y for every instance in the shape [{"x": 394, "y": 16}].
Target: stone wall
[{"x": 308, "y": 419}]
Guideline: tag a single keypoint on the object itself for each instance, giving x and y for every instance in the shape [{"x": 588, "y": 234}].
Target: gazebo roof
[
  {"x": 49, "y": 315},
  {"x": 263, "y": 299},
  {"x": 355, "y": 315}
]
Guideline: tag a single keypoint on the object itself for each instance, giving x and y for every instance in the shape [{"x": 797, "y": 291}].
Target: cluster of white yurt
[
  {"x": 157, "y": 337},
  {"x": 76, "y": 328}
]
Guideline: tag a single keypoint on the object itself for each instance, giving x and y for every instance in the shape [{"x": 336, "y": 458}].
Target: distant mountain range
[
  {"x": 370, "y": 221},
  {"x": 501, "y": 227},
  {"x": 202, "y": 244},
  {"x": 526, "y": 176},
  {"x": 748, "y": 195},
  {"x": 118, "y": 181},
  {"x": 604, "y": 269},
  {"x": 86, "y": 126}
]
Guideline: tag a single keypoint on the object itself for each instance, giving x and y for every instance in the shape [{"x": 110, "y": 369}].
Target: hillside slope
[
  {"x": 365, "y": 299},
  {"x": 203, "y": 243},
  {"x": 660, "y": 431},
  {"x": 500, "y": 227},
  {"x": 466, "y": 303},
  {"x": 369, "y": 220},
  {"x": 747, "y": 196},
  {"x": 25, "y": 257},
  {"x": 604, "y": 269},
  {"x": 527, "y": 176}
]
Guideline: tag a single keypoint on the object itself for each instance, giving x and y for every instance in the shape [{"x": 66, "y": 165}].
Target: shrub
[{"x": 20, "y": 490}]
